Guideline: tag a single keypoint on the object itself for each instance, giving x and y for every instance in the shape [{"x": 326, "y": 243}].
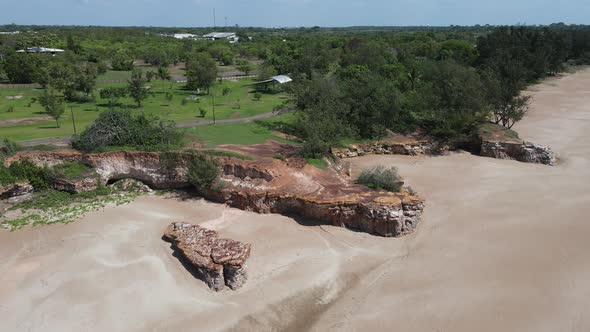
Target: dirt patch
[
  {"x": 24, "y": 121},
  {"x": 268, "y": 149}
]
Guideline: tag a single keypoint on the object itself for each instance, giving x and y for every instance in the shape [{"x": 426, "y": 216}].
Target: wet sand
[{"x": 502, "y": 247}]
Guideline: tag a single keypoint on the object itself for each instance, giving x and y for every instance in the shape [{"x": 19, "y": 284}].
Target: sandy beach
[{"x": 502, "y": 247}]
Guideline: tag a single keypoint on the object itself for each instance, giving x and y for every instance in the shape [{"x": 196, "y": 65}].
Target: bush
[
  {"x": 115, "y": 128},
  {"x": 381, "y": 178},
  {"x": 226, "y": 91},
  {"x": 257, "y": 96},
  {"x": 26, "y": 170},
  {"x": 202, "y": 112},
  {"x": 202, "y": 171},
  {"x": 10, "y": 109},
  {"x": 6, "y": 176},
  {"x": 8, "y": 148}
]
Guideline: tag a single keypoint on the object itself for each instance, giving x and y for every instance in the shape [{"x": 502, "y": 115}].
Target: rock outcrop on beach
[
  {"x": 502, "y": 143},
  {"x": 264, "y": 185},
  {"x": 16, "y": 190},
  {"x": 218, "y": 262},
  {"x": 525, "y": 152},
  {"x": 75, "y": 186},
  {"x": 395, "y": 145}
]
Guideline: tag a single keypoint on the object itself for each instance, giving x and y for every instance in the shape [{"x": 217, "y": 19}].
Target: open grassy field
[
  {"x": 255, "y": 132},
  {"x": 29, "y": 121}
]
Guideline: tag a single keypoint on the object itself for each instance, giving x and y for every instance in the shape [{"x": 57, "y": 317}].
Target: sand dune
[{"x": 502, "y": 247}]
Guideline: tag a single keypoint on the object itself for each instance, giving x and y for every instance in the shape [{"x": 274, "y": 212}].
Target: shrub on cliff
[
  {"x": 118, "y": 128},
  {"x": 203, "y": 170},
  {"x": 5, "y": 176},
  {"x": 8, "y": 148},
  {"x": 26, "y": 170},
  {"x": 380, "y": 177}
]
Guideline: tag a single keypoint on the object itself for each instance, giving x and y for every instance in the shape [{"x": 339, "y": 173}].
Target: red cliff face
[{"x": 266, "y": 185}]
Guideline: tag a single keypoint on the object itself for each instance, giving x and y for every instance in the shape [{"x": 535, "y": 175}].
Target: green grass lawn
[
  {"x": 244, "y": 133},
  {"x": 238, "y": 103},
  {"x": 114, "y": 75}
]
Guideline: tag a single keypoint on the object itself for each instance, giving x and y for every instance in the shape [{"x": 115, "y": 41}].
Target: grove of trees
[{"x": 348, "y": 82}]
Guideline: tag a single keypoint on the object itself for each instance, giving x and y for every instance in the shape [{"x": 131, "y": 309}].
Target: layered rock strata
[
  {"x": 15, "y": 190},
  {"x": 394, "y": 145},
  {"x": 521, "y": 151},
  {"x": 218, "y": 262},
  {"x": 265, "y": 185},
  {"x": 75, "y": 186},
  {"x": 501, "y": 143}
]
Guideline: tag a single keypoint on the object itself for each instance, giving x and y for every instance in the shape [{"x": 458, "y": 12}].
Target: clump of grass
[
  {"x": 51, "y": 206},
  {"x": 492, "y": 128},
  {"x": 279, "y": 157},
  {"x": 381, "y": 178},
  {"x": 317, "y": 162},
  {"x": 71, "y": 171}
]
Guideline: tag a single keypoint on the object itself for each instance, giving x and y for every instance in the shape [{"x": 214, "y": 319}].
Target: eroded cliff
[{"x": 264, "y": 185}]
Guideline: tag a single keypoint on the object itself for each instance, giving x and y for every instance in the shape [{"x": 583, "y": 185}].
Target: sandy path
[{"x": 502, "y": 248}]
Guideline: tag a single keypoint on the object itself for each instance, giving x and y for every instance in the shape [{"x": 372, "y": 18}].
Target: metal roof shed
[{"x": 279, "y": 79}]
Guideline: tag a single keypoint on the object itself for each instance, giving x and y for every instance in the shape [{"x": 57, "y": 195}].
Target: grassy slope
[{"x": 85, "y": 113}]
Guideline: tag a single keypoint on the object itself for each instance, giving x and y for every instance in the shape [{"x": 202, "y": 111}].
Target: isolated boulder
[{"x": 218, "y": 262}]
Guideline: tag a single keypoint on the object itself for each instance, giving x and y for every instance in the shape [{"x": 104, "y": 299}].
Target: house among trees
[
  {"x": 41, "y": 50},
  {"x": 279, "y": 79},
  {"x": 230, "y": 36}
]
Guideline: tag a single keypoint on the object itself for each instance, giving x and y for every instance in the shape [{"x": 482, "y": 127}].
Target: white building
[
  {"x": 230, "y": 36},
  {"x": 185, "y": 36},
  {"x": 41, "y": 50}
]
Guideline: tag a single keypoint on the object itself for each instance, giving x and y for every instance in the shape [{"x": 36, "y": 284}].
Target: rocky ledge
[
  {"x": 218, "y": 262},
  {"x": 395, "y": 145},
  {"x": 501, "y": 143},
  {"x": 264, "y": 185}
]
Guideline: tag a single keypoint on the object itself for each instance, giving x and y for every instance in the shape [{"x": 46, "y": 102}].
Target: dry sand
[{"x": 503, "y": 247}]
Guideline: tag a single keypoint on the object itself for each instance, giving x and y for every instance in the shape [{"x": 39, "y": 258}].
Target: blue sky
[{"x": 293, "y": 12}]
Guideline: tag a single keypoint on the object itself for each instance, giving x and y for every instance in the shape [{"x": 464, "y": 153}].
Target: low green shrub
[
  {"x": 26, "y": 170},
  {"x": 203, "y": 170},
  {"x": 121, "y": 128},
  {"x": 380, "y": 177},
  {"x": 6, "y": 176},
  {"x": 8, "y": 148}
]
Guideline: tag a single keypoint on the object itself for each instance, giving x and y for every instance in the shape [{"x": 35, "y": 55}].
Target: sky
[{"x": 293, "y": 13}]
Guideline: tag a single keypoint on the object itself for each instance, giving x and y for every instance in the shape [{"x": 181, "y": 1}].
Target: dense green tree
[
  {"x": 53, "y": 104},
  {"x": 136, "y": 86},
  {"x": 450, "y": 101},
  {"x": 73, "y": 45},
  {"x": 113, "y": 94},
  {"x": 201, "y": 71},
  {"x": 26, "y": 68},
  {"x": 245, "y": 67},
  {"x": 266, "y": 71},
  {"x": 121, "y": 61}
]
